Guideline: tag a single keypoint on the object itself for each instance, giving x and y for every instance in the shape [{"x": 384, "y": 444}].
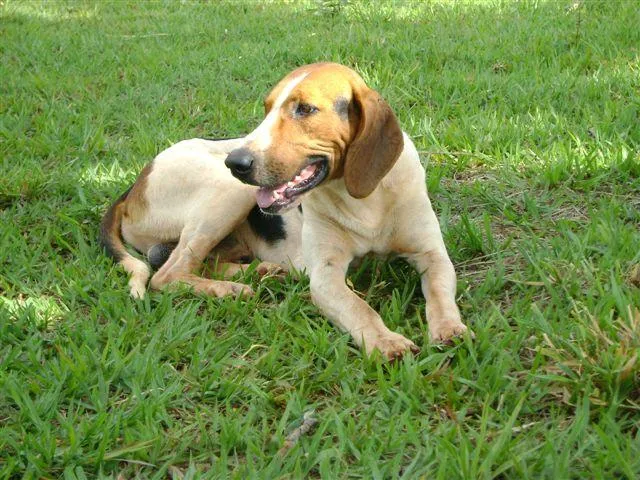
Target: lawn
[{"x": 527, "y": 116}]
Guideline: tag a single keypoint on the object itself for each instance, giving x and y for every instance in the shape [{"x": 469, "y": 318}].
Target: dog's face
[{"x": 322, "y": 122}]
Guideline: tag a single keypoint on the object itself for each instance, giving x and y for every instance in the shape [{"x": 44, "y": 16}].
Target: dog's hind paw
[
  {"x": 265, "y": 269},
  {"x": 225, "y": 289},
  {"x": 137, "y": 291}
]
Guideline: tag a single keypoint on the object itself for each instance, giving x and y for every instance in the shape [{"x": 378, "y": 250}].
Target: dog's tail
[{"x": 111, "y": 240}]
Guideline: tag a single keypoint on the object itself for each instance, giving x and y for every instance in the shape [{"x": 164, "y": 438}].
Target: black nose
[{"x": 240, "y": 162}]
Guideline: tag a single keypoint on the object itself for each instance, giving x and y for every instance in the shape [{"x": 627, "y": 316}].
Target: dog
[
  {"x": 334, "y": 145},
  {"x": 184, "y": 208},
  {"x": 328, "y": 144}
]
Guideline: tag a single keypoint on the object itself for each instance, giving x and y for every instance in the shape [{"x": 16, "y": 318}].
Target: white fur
[{"x": 262, "y": 136}]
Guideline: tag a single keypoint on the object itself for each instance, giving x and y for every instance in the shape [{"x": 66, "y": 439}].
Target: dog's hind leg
[
  {"x": 263, "y": 269},
  {"x": 196, "y": 241},
  {"x": 159, "y": 253},
  {"x": 187, "y": 258}
]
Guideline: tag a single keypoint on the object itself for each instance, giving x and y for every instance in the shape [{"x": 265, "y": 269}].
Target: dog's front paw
[
  {"x": 392, "y": 345},
  {"x": 445, "y": 331}
]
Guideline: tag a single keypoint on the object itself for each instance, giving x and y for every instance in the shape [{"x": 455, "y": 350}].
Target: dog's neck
[{"x": 372, "y": 216}]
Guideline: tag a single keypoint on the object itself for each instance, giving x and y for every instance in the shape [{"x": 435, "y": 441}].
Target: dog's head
[{"x": 322, "y": 122}]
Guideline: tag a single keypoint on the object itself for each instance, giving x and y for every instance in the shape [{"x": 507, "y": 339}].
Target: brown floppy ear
[{"x": 376, "y": 145}]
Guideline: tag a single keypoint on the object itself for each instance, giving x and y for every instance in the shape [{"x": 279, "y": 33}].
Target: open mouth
[{"x": 287, "y": 195}]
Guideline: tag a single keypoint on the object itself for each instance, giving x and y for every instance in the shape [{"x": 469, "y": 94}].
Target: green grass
[{"x": 528, "y": 117}]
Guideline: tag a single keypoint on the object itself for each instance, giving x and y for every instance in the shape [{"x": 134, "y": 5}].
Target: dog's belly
[{"x": 149, "y": 231}]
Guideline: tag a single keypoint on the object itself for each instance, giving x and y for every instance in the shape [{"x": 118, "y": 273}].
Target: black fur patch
[
  {"x": 268, "y": 227},
  {"x": 341, "y": 106}
]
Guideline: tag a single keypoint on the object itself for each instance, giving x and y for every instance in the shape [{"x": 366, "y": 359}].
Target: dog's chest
[{"x": 368, "y": 223}]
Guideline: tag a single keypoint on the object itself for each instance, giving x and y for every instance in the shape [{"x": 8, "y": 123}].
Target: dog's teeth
[{"x": 291, "y": 184}]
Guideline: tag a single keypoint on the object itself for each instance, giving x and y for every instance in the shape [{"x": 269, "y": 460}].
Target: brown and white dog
[
  {"x": 335, "y": 144},
  {"x": 329, "y": 142}
]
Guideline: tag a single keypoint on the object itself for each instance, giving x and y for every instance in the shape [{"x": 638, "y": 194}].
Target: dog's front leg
[
  {"x": 438, "y": 280},
  {"x": 420, "y": 241},
  {"x": 327, "y": 266}
]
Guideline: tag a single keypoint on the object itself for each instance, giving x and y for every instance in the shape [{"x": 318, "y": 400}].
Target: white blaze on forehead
[{"x": 261, "y": 137}]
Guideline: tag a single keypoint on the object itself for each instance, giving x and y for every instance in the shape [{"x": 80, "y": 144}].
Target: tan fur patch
[{"x": 136, "y": 203}]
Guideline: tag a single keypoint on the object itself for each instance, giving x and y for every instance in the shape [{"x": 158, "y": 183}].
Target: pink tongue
[{"x": 265, "y": 197}]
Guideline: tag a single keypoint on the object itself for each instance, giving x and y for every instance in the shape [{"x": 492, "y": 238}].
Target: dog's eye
[{"x": 304, "y": 109}]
